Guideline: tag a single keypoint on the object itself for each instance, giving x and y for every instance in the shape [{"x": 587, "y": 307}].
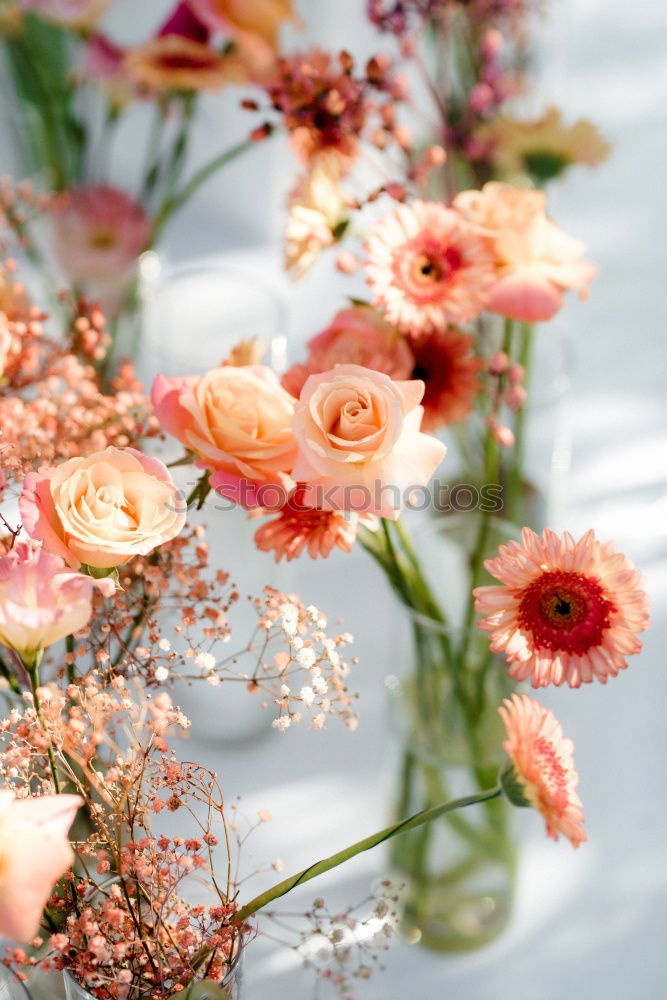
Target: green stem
[
  {"x": 179, "y": 198},
  {"x": 35, "y": 684},
  {"x": 367, "y": 844},
  {"x": 515, "y": 505},
  {"x": 71, "y": 668},
  {"x": 153, "y": 154}
]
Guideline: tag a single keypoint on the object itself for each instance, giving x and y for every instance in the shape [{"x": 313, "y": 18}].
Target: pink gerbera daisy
[
  {"x": 428, "y": 267},
  {"x": 543, "y": 766},
  {"x": 297, "y": 527},
  {"x": 567, "y": 612}
]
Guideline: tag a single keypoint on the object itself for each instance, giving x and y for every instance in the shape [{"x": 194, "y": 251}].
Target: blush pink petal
[
  {"x": 526, "y": 296},
  {"x": 35, "y": 853},
  {"x": 39, "y": 515},
  {"x": 165, "y": 397}
]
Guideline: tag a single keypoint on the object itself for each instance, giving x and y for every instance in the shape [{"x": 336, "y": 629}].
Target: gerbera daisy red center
[
  {"x": 428, "y": 269},
  {"x": 565, "y": 611}
]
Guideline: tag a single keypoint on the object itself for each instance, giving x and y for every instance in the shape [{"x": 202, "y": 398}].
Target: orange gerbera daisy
[
  {"x": 174, "y": 62},
  {"x": 428, "y": 267},
  {"x": 297, "y": 527},
  {"x": 543, "y": 766},
  {"x": 445, "y": 363},
  {"x": 566, "y": 612}
]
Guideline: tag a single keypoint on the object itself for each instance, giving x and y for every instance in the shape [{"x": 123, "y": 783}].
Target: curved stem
[
  {"x": 178, "y": 198},
  {"x": 419, "y": 819}
]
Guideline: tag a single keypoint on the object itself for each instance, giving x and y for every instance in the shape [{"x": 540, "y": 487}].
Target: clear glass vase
[
  {"x": 458, "y": 873},
  {"x": 11, "y": 987},
  {"x": 232, "y": 984}
]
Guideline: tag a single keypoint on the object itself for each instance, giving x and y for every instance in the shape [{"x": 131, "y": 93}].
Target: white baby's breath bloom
[
  {"x": 282, "y": 723},
  {"x": 161, "y": 674},
  {"x": 307, "y": 695},
  {"x": 205, "y": 661},
  {"x": 164, "y": 645},
  {"x": 306, "y": 657},
  {"x": 320, "y": 686}
]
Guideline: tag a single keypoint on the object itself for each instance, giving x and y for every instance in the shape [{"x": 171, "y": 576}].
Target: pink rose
[
  {"x": 34, "y": 853},
  {"x": 41, "y": 600},
  {"x": 360, "y": 447},
  {"x": 103, "y": 509},
  {"x": 535, "y": 260},
  {"x": 237, "y": 421},
  {"x": 355, "y": 336}
]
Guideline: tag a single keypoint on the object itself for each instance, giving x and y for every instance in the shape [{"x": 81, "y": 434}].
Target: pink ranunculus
[
  {"x": 237, "y": 421},
  {"x": 34, "y": 854},
  {"x": 103, "y": 509},
  {"x": 360, "y": 447},
  {"x": 536, "y": 262},
  {"x": 71, "y": 13},
  {"x": 42, "y": 600},
  {"x": 360, "y": 336},
  {"x": 98, "y": 234}
]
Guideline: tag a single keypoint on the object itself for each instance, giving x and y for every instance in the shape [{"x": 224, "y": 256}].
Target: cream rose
[
  {"x": 236, "y": 420},
  {"x": 360, "y": 447},
  {"x": 103, "y": 509}
]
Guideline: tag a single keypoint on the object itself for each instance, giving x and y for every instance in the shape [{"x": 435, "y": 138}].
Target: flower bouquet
[{"x": 119, "y": 858}]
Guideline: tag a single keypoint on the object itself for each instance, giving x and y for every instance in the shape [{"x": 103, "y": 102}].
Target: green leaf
[{"x": 102, "y": 574}]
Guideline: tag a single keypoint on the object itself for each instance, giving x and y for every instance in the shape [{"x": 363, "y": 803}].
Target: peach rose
[
  {"x": 360, "y": 336},
  {"x": 535, "y": 260},
  {"x": 41, "y": 600},
  {"x": 360, "y": 447},
  {"x": 34, "y": 853},
  {"x": 103, "y": 509},
  {"x": 237, "y": 421}
]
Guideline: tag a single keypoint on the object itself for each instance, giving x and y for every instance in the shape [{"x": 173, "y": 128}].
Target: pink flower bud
[
  {"x": 347, "y": 263},
  {"x": 515, "y": 396},
  {"x": 434, "y": 156},
  {"x": 481, "y": 98},
  {"x": 498, "y": 363},
  {"x": 503, "y": 435},
  {"x": 491, "y": 44}
]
